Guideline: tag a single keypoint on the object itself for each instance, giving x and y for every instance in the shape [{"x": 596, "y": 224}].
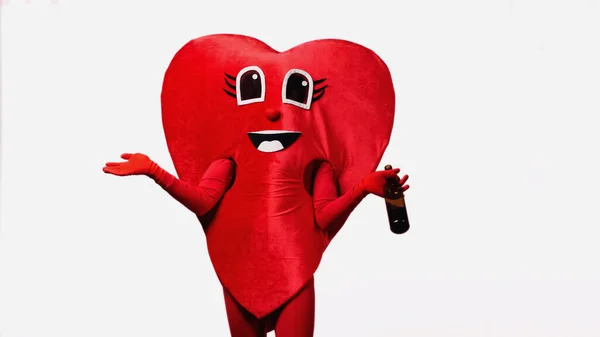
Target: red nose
[{"x": 273, "y": 115}]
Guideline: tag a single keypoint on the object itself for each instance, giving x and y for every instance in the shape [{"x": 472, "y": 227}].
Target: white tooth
[{"x": 272, "y": 146}]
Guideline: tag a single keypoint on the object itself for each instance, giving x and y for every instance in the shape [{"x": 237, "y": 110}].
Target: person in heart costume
[{"x": 273, "y": 151}]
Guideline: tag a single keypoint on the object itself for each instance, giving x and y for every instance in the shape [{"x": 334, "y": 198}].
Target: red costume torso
[{"x": 263, "y": 240}]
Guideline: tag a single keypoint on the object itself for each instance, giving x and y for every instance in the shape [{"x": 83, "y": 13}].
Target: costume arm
[
  {"x": 328, "y": 206},
  {"x": 331, "y": 211},
  {"x": 199, "y": 198}
]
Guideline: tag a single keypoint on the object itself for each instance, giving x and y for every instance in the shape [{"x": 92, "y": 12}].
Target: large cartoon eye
[
  {"x": 250, "y": 85},
  {"x": 298, "y": 88}
]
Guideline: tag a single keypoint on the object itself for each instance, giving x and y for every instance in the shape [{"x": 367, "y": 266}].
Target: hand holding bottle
[
  {"x": 377, "y": 181},
  {"x": 395, "y": 204}
]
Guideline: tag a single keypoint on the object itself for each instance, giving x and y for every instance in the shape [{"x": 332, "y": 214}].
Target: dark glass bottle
[{"x": 395, "y": 206}]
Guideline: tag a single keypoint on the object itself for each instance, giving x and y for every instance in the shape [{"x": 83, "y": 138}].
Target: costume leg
[
  {"x": 241, "y": 322},
  {"x": 297, "y": 318}
]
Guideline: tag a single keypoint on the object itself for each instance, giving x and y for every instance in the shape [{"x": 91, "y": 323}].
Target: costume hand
[
  {"x": 135, "y": 164},
  {"x": 375, "y": 182}
]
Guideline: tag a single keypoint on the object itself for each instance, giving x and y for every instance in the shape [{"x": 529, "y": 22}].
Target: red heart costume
[{"x": 299, "y": 129}]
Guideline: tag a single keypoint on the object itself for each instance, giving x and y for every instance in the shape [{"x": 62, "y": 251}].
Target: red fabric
[
  {"x": 331, "y": 211},
  {"x": 262, "y": 239},
  {"x": 203, "y": 197},
  {"x": 197, "y": 198},
  {"x": 296, "y": 318}
]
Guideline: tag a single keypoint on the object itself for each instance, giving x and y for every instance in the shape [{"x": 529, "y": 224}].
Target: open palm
[{"x": 135, "y": 164}]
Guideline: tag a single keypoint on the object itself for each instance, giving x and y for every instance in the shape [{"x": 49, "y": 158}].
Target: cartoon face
[
  {"x": 298, "y": 89},
  {"x": 234, "y": 96}
]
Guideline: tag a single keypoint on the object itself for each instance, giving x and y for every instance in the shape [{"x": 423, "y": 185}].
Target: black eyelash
[
  {"x": 317, "y": 82},
  {"x": 230, "y": 94},
  {"x": 319, "y": 92},
  {"x": 231, "y": 86}
]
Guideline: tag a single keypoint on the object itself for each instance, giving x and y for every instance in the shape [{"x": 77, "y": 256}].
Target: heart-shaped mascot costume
[{"x": 273, "y": 151}]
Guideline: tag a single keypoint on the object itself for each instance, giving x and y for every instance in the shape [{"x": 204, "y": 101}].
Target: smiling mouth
[{"x": 273, "y": 140}]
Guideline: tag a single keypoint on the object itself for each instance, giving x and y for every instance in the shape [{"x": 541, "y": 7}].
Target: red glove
[
  {"x": 198, "y": 199},
  {"x": 375, "y": 182},
  {"x": 136, "y": 164},
  {"x": 329, "y": 207}
]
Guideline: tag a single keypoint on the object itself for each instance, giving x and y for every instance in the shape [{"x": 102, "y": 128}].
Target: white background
[{"x": 497, "y": 126}]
